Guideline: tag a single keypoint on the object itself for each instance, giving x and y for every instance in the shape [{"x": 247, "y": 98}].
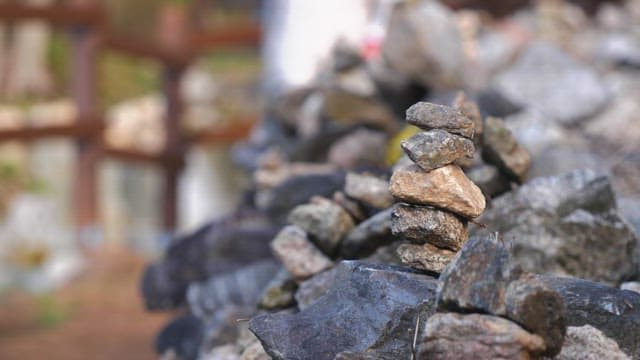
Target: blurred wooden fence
[{"x": 179, "y": 41}]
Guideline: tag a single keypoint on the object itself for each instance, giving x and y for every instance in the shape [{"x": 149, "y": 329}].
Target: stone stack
[{"x": 437, "y": 197}]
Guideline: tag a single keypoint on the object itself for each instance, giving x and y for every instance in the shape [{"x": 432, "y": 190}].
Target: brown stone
[
  {"x": 428, "y": 116},
  {"x": 451, "y": 336},
  {"x": 472, "y": 111},
  {"x": 297, "y": 254},
  {"x": 422, "y": 224},
  {"x": 539, "y": 309},
  {"x": 425, "y": 257},
  {"x": 436, "y": 148},
  {"x": 446, "y": 188},
  {"x": 502, "y": 150}
]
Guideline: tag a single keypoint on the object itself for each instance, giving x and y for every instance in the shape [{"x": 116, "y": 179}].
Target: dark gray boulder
[
  {"x": 613, "y": 311},
  {"x": 566, "y": 225},
  {"x": 216, "y": 248},
  {"x": 368, "y": 307}
]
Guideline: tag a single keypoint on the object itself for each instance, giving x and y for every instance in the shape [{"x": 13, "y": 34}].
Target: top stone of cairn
[{"x": 428, "y": 116}]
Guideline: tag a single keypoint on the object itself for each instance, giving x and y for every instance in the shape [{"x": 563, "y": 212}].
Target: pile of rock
[
  {"x": 492, "y": 309},
  {"x": 438, "y": 198}
]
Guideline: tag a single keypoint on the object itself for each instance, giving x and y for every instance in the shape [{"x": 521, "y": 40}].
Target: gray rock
[
  {"x": 423, "y": 43},
  {"x": 489, "y": 179},
  {"x": 421, "y": 224},
  {"x": 279, "y": 201},
  {"x": 242, "y": 287},
  {"x": 446, "y": 188},
  {"x": 182, "y": 336},
  {"x": 368, "y": 307},
  {"x": 453, "y": 336},
  {"x": 219, "y": 247},
  {"x": 631, "y": 286},
  {"x": 613, "y": 311},
  {"x": 538, "y": 309},
  {"x": 349, "y": 109},
  {"x": 362, "y": 147},
  {"x": 369, "y": 190},
  {"x": 566, "y": 225},
  {"x": 502, "y": 149},
  {"x": 315, "y": 287},
  {"x": 298, "y": 254},
  {"x": 368, "y": 235},
  {"x": 324, "y": 221},
  {"x": 279, "y": 292},
  {"x": 425, "y": 257},
  {"x": 477, "y": 278},
  {"x": 436, "y": 148},
  {"x": 428, "y": 116},
  {"x": 548, "y": 80},
  {"x": 588, "y": 343}
]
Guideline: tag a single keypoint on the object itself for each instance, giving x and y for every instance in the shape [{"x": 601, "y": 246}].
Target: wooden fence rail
[{"x": 89, "y": 32}]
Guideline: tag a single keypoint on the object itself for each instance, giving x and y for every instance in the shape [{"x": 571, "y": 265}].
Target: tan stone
[
  {"x": 425, "y": 256},
  {"x": 447, "y": 188},
  {"x": 298, "y": 254}
]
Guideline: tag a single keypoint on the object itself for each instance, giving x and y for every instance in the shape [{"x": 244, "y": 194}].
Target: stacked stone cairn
[{"x": 437, "y": 198}]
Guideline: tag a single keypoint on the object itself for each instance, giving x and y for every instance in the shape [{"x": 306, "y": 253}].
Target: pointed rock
[
  {"x": 446, "y": 188},
  {"x": 422, "y": 224},
  {"x": 436, "y": 148},
  {"x": 502, "y": 149},
  {"x": 428, "y": 116},
  {"x": 478, "y": 276}
]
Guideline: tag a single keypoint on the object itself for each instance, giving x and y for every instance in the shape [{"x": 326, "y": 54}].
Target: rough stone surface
[
  {"x": 613, "y": 311},
  {"x": 548, "y": 80},
  {"x": 435, "y": 148},
  {"x": 421, "y": 224},
  {"x": 368, "y": 190},
  {"x": 478, "y": 276},
  {"x": 242, "y": 287},
  {"x": 428, "y": 116},
  {"x": 324, "y": 221},
  {"x": 216, "y": 248},
  {"x": 279, "y": 291},
  {"x": 315, "y": 287},
  {"x": 446, "y": 188},
  {"x": 539, "y": 309},
  {"x": 367, "y": 307},
  {"x": 489, "y": 179},
  {"x": 298, "y": 255},
  {"x": 425, "y": 257},
  {"x": 453, "y": 336},
  {"x": 566, "y": 225},
  {"x": 368, "y": 235},
  {"x": 588, "y": 343},
  {"x": 502, "y": 149}
]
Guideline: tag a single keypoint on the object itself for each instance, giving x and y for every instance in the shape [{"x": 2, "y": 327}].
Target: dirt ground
[{"x": 99, "y": 315}]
